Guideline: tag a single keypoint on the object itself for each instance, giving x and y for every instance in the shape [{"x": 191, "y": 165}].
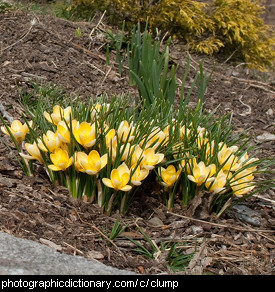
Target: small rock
[{"x": 248, "y": 215}]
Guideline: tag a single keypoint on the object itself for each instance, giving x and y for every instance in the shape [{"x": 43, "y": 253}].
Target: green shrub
[{"x": 226, "y": 26}]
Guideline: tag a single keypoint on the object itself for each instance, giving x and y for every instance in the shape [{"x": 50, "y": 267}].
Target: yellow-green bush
[
  {"x": 239, "y": 26},
  {"x": 225, "y": 26}
]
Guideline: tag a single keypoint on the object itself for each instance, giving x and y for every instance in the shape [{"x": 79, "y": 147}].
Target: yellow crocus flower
[
  {"x": 216, "y": 184},
  {"x": 18, "y": 130},
  {"x": 60, "y": 159},
  {"x": 99, "y": 107},
  {"x": 85, "y": 134},
  {"x": 119, "y": 179},
  {"x": 241, "y": 186},
  {"x": 210, "y": 146},
  {"x": 246, "y": 161},
  {"x": 155, "y": 138},
  {"x": 111, "y": 143},
  {"x": 184, "y": 132},
  {"x": 57, "y": 114},
  {"x": 63, "y": 132},
  {"x": 34, "y": 152},
  {"x": 150, "y": 158},
  {"x": 93, "y": 163},
  {"x": 138, "y": 174},
  {"x": 109, "y": 137},
  {"x": 191, "y": 163},
  {"x": 126, "y": 149},
  {"x": 51, "y": 141},
  {"x": 169, "y": 175},
  {"x": 201, "y": 173},
  {"x": 246, "y": 173},
  {"x": 137, "y": 154},
  {"x": 227, "y": 158},
  {"x": 125, "y": 130},
  {"x": 78, "y": 156}
]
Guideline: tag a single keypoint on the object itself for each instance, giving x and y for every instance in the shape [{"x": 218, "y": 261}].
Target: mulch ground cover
[{"x": 44, "y": 50}]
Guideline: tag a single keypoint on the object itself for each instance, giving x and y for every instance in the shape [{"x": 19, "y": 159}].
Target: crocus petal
[
  {"x": 90, "y": 144},
  {"x": 148, "y": 167},
  {"x": 70, "y": 162},
  {"x": 91, "y": 172},
  {"x": 4, "y": 130},
  {"x": 160, "y": 157},
  {"x": 117, "y": 184},
  {"x": 34, "y": 151},
  {"x": 25, "y": 128},
  {"x": 191, "y": 177},
  {"x": 135, "y": 182},
  {"x": 201, "y": 179},
  {"x": 165, "y": 184},
  {"x": 126, "y": 188},
  {"x": 93, "y": 157},
  {"x": 212, "y": 168},
  {"x": 123, "y": 168},
  {"x": 125, "y": 178},
  {"x": 54, "y": 167},
  {"x": 115, "y": 175},
  {"x": 48, "y": 117},
  {"x": 16, "y": 125},
  {"x": 104, "y": 160},
  {"x": 196, "y": 171},
  {"x": 19, "y": 136},
  {"x": 28, "y": 157},
  {"x": 107, "y": 182}
]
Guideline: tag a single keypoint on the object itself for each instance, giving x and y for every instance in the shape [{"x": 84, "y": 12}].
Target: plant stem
[{"x": 110, "y": 203}]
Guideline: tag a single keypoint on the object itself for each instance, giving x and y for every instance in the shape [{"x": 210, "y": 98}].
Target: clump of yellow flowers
[{"x": 104, "y": 152}]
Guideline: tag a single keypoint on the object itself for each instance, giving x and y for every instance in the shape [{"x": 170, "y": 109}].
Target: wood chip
[
  {"x": 265, "y": 137},
  {"x": 95, "y": 255},
  {"x": 50, "y": 244}
]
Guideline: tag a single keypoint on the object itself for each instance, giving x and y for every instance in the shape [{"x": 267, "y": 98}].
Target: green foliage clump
[
  {"x": 220, "y": 26},
  {"x": 104, "y": 151}
]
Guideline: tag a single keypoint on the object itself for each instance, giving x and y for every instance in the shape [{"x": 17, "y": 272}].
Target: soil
[{"x": 43, "y": 49}]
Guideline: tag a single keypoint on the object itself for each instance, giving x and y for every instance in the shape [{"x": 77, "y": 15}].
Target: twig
[
  {"x": 106, "y": 75},
  {"x": 268, "y": 238},
  {"x": 230, "y": 56},
  {"x": 99, "y": 22},
  {"x": 263, "y": 198},
  {"x": 222, "y": 225},
  {"x": 89, "y": 52},
  {"x": 74, "y": 248},
  {"x": 248, "y": 106},
  {"x": 96, "y": 68},
  {"x": 102, "y": 234}
]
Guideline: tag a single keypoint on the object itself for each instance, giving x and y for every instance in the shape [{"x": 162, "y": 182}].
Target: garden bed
[{"x": 45, "y": 51}]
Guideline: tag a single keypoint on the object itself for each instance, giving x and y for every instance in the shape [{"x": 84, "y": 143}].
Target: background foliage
[{"x": 234, "y": 28}]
